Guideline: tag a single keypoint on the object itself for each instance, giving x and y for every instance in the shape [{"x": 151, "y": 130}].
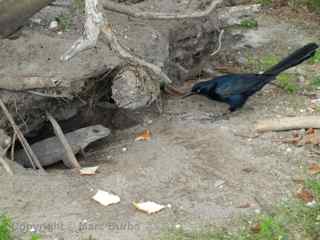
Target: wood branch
[
  {"x": 29, "y": 152},
  {"x": 46, "y": 95},
  {"x": 28, "y": 82},
  {"x": 127, "y": 56},
  {"x": 288, "y": 123},
  {"x": 70, "y": 157},
  {"x": 6, "y": 166},
  {"x": 230, "y": 16},
  {"x": 13, "y": 145},
  {"x": 128, "y": 10}
]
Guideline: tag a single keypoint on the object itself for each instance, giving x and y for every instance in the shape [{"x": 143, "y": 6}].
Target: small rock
[
  {"x": 315, "y": 101},
  {"x": 53, "y": 25},
  {"x": 124, "y": 149},
  {"x": 60, "y": 33},
  {"x": 257, "y": 211},
  {"x": 242, "y": 60},
  {"x": 218, "y": 183},
  {"x": 311, "y": 204},
  {"x": 36, "y": 20},
  {"x": 149, "y": 122},
  {"x": 178, "y": 226},
  {"x": 289, "y": 150},
  {"x": 301, "y": 79},
  {"x": 155, "y": 36},
  {"x": 169, "y": 205}
]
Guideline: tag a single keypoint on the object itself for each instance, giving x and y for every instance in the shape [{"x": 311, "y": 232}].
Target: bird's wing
[{"x": 236, "y": 84}]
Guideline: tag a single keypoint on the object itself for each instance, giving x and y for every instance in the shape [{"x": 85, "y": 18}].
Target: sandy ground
[{"x": 203, "y": 165}]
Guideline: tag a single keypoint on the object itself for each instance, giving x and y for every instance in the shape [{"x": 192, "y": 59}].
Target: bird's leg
[{"x": 225, "y": 115}]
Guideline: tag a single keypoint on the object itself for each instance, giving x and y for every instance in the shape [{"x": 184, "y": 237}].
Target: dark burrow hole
[{"x": 94, "y": 106}]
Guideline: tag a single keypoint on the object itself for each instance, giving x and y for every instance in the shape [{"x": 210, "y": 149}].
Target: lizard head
[{"x": 97, "y": 132}]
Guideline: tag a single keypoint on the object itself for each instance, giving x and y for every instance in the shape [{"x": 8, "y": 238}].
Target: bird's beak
[{"x": 188, "y": 94}]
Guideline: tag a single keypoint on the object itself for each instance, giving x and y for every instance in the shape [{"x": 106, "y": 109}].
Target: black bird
[{"x": 235, "y": 89}]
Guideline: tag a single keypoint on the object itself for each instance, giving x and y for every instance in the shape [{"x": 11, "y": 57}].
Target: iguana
[{"x": 50, "y": 150}]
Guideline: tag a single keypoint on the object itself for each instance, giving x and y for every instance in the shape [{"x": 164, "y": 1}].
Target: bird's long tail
[{"x": 293, "y": 59}]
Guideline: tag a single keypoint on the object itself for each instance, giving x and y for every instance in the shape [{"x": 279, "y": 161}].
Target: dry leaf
[
  {"x": 305, "y": 195},
  {"x": 149, "y": 207},
  {"x": 247, "y": 205},
  {"x": 310, "y": 131},
  {"x": 105, "y": 198},
  {"x": 256, "y": 228},
  {"x": 247, "y": 170},
  {"x": 89, "y": 170},
  {"x": 311, "y": 137},
  {"x": 314, "y": 168},
  {"x": 144, "y": 136}
]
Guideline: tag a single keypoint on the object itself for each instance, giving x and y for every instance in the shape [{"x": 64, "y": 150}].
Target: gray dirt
[{"x": 203, "y": 165}]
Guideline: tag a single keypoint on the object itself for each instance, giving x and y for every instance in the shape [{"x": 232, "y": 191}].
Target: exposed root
[
  {"x": 91, "y": 31},
  {"x": 133, "y": 60},
  {"x": 128, "y": 10},
  {"x": 94, "y": 24}
]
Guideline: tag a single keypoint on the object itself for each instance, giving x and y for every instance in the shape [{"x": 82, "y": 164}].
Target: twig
[
  {"x": 123, "y": 9},
  {"x": 315, "y": 151},
  {"x": 72, "y": 160},
  {"x": 3, "y": 160},
  {"x": 5, "y": 165},
  {"x": 50, "y": 95},
  {"x": 13, "y": 144},
  {"x": 228, "y": 16},
  {"x": 219, "y": 43},
  {"x": 288, "y": 123},
  {"x": 246, "y": 136},
  {"x": 29, "y": 152}
]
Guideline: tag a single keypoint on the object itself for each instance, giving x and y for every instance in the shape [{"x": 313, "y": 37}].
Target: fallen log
[{"x": 288, "y": 123}]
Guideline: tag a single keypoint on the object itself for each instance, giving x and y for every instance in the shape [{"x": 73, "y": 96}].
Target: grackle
[{"x": 235, "y": 89}]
